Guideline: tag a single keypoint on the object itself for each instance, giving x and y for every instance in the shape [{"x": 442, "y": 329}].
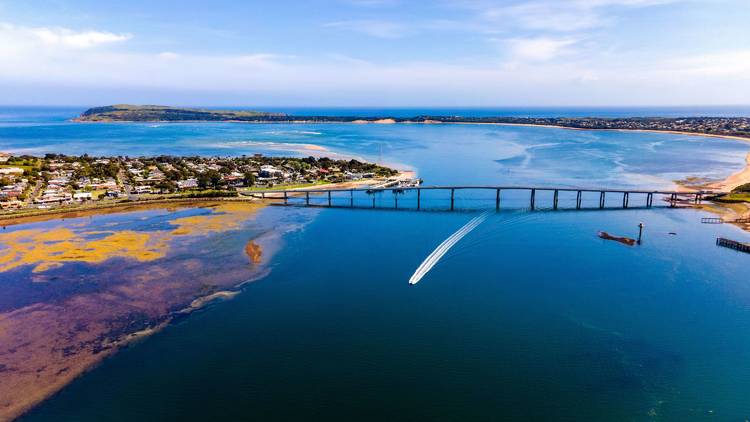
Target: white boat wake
[{"x": 444, "y": 247}]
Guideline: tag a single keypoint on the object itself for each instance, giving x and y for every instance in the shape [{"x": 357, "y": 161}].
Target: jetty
[
  {"x": 718, "y": 220},
  {"x": 480, "y": 197},
  {"x": 733, "y": 244}
]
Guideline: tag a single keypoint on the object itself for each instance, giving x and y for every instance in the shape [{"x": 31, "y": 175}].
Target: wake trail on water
[
  {"x": 488, "y": 234},
  {"x": 444, "y": 247}
]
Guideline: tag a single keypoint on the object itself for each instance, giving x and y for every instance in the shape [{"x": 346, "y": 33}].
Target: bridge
[{"x": 445, "y": 197}]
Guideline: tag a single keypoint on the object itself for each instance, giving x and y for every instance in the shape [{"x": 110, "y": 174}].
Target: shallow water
[{"x": 530, "y": 316}]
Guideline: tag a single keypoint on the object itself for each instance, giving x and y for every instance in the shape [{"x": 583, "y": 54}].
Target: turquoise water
[
  {"x": 442, "y": 154},
  {"x": 530, "y": 317}
]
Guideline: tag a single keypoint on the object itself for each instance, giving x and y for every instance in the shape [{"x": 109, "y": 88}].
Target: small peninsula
[
  {"x": 153, "y": 113},
  {"x": 738, "y": 127}
]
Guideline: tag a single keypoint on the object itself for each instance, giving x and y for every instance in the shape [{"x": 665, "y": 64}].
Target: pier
[
  {"x": 447, "y": 198},
  {"x": 733, "y": 244},
  {"x": 718, "y": 220}
]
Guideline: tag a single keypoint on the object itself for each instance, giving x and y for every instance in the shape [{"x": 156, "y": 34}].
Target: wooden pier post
[
  {"x": 640, "y": 232},
  {"x": 419, "y": 198},
  {"x": 578, "y": 200},
  {"x": 624, "y": 199},
  {"x": 351, "y": 198},
  {"x": 286, "y": 198},
  {"x": 263, "y": 195},
  {"x": 497, "y": 200},
  {"x": 395, "y": 200},
  {"x": 307, "y": 198},
  {"x": 554, "y": 200},
  {"x": 453, "y": 191},
  {"x": 673, "y": 200},
  {"x": 373, "y": 199},
  {"x": 733, "y": 244},
  {"x": 602, "y": 197},
  {"x": 329, "y": 198},
  {"x": 649, "y": 199},
  {"x": 533, "y": 198}
]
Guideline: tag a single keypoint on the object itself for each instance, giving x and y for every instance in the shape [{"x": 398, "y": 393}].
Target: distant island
[
  {"x": 154, "y": 113},
  {"x": 712, "y": 126}
]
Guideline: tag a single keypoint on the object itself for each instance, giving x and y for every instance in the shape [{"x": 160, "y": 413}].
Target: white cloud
[
  {"x": 168, "y": 55},
  {"x": 68, "y": 38},
  {"x": 546, "y": 69},
  {"x": 559, "y": 17},
  {"x": 374, "y": 28},
  {"x": 551, "y": 15},
  {"x": 15, "y": 38},
  {"x": 722, "y": 64},
  {"x": 540, "y": 48}
]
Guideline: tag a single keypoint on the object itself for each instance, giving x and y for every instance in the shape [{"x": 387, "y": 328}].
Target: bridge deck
[
  {"x": 291, "y": 197},
  {"x": 489, "y": 187}
]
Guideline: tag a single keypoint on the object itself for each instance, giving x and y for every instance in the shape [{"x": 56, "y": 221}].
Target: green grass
[{"x": 735, "y": 197}]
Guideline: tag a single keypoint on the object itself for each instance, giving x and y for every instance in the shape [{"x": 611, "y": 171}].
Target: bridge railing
[{"x": 480, "y": 197}]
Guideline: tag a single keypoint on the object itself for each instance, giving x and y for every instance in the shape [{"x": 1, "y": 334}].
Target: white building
[
  {"x": 143, "y": 189},
  {"x": 187, "y": 184},
  {"x": 268, "y": 172},
  {"x": 82, "y": 196},
  {"x": 11, "y": 171}
]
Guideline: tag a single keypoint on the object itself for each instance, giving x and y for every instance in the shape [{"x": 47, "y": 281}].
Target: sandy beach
[{"x": 734, "y": 180}]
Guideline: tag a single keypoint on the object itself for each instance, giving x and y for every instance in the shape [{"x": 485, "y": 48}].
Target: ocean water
[
  {"x": 441, "y": 154},
  {"x": 530, "y": 317}
]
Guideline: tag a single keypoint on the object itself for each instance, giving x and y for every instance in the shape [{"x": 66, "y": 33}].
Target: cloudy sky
[{"x": 375, "y": 52}]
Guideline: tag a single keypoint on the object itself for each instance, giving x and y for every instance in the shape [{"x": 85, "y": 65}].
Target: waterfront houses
[{"x": 59, "y": 180}]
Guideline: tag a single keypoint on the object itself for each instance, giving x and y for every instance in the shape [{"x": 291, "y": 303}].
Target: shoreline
[
  {"x": 415, "y": 122},
  {"x": 14, "y": 218}
]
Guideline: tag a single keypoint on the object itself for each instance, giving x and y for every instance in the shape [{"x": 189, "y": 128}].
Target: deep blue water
[{"x": 530, "y": 317}]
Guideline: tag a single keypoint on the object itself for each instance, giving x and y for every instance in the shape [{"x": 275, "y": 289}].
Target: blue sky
[{"x": 376, "y": 52}]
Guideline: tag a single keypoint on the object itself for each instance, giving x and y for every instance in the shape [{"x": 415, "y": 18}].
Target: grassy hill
[{"x": 153, "y": 113}]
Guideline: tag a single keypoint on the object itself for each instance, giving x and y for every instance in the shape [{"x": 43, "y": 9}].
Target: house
[
  {"x": 11, "y": 205},
  {"x": 143, "y": 189},
  {"x": 11, "y": 171},
  {"x": 187, "y": 184},
  {"x": 58, "y": 182},
  {"x": 11, "y": 193},
  {"x": 109, "y": 184},
  {"x": 235, "y": 179},
  {"x": 4, "y": 157},
  {"x": 53, "y": 197},
  {"x": 269, "y": 172},
  {"x": 82, "y": 196}
]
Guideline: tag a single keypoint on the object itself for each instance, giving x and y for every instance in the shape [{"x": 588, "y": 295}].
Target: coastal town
[{"x": 28, "y": 182}]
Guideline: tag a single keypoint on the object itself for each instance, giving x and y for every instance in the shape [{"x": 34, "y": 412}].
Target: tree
[
  {"x": 211, "y": 178},
  {"x": 166, "y": 186},
  {"x": 249, "y": 179}
]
